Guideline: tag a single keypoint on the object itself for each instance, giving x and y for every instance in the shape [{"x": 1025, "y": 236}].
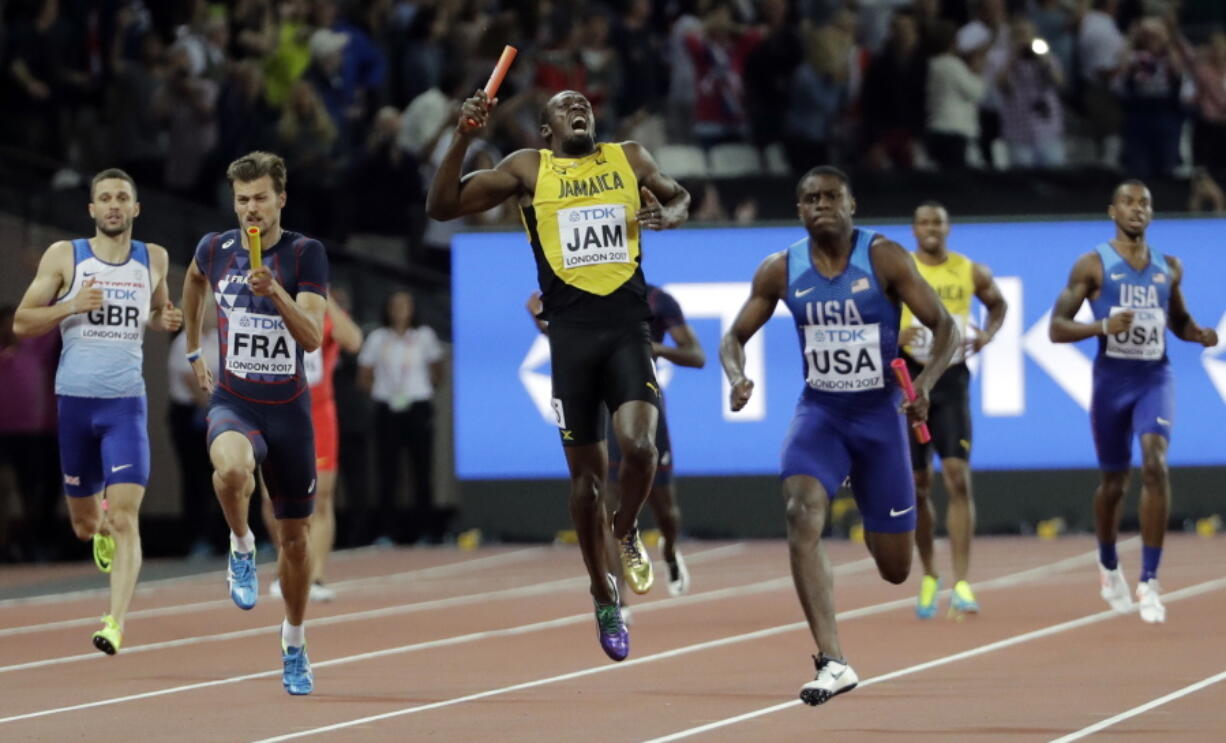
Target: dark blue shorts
[
  {"x": 283, "y": 441},
  {"x": 103, "y": 441},
  {"x": 1123, "y": 406},
  {"x": 866, "y": 442}
]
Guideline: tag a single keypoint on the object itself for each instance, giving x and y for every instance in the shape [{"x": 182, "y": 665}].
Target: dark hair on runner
[
  {"x": 254, "y": 166},
  {"x": 824, "y": 170},
  {"x": 111, "y": 173}
]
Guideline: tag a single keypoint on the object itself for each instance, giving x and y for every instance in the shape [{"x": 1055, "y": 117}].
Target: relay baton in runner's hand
[
  {"x": 254, "y": 248},
  {"x": 500, "y": 71},
  {"x": 904, "y": 380}
]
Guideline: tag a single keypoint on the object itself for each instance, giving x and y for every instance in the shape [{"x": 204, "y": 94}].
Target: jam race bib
[
  {"x": 593, "y": 235},
  {"x": 260, "y": 344},
  {"x": 1144, "y": 340},
  {"x": 843, "y": 358},
  {"x": 920, "y": 349}
]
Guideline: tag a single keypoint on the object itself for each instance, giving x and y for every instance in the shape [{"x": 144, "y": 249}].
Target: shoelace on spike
[
  {"x": 242, "y": 567},
  {"x": 297, "y": 663},
  {"x": 631, "y": 550},
  {"x": 609, "y": 619}
]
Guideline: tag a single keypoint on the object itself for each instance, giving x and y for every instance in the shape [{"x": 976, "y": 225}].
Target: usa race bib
[
  {"x": 1145, "y": 340},
  {"x": 260, "y": 344},
  {"x": 843, "y": 358},
  {"x": 593, "y": 235}
]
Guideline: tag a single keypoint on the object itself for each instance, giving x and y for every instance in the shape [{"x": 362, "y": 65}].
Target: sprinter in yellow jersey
[
  {"x": 956, "y": 279},
  {"x": 584, "y": 204}
]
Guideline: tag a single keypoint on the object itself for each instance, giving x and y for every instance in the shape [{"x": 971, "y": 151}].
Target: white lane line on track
[
  {"x": 352, "y": 584},
  {"x": 694, "y": 598},
  {"x": 535, "y": 589},
  {"x": 1142, "y": 708},
  {"x": 1002, "y": 581},
  {"x": 145, "y": 588},
  {"x": 1102, "y": 616}
]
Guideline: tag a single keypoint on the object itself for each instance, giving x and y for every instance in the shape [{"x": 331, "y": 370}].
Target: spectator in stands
[
  {"x": 362, "y": 72},
  {"x": 187, "y": 105},
  {"x": 45, "y": 70},
  {"x": 987, "y": 33},
  {"x": 817, "y": 96},
  {"x": 1149, "y": 85},
  {"x": 768, "y": 72},
  {"x": 1205, "y": 92},
  {"x": 308, "y": 140},
  {"x": 644, "y": 74},
  {"x": 291, "y": 54},
  {"x": 207, "y": 43},
  {"x": 246, "y": 122},
  {"x": 133, "y": 123},
  {"x": 1100, "y": 50},
  {"x": 892, "y": 99},
  {"x": 419, "y": 54},
  {"x": 1053, "y": 23},
  {"x": 718, "y": 54},
  {"x": 385, "y": 194},
  {"x": 324, "y": 74},
  {"x": 953, "y": 92},
  {"x": 1028, "y": 85},
  {"x": 428, "y": 115},
  {"x": 682, "y": 80},
  {"x": 558, "y": 67},
  {"x": 399, "y": 365},
  {"x": 253, "y": 29}
]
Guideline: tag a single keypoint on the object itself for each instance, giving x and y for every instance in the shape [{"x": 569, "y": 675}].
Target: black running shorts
[
  {"x": 595, "y": 368},
  {"x": 949, "y": 416}
]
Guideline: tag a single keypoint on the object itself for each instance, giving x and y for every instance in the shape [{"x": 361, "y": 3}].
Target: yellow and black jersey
[
  {"x": 954, "y": 283},
  {"x": 585, "y": 238}
]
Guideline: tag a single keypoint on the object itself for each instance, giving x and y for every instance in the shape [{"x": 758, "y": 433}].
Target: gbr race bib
[
  {"x": 843, "y": 358},
  {"x": 260, "y": 344},
  {"x": 593, "y": 235},
  {"x": 1145, "y": 340}
]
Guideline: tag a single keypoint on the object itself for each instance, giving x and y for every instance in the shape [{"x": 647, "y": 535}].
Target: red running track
[{"x": 499, "y": 644}]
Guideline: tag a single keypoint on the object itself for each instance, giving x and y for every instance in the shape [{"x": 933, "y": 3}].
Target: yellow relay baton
[{"x": 254, "y": 249}]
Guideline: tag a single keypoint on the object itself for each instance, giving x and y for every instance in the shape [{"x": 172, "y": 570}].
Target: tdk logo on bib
[
  {"x": 593, "y": 235},
  {"x": 261, "y": 345},
  {"x": 119, "y": 295},
  {"x": 261, "y": 322},
  {"x": 840, "y": 335}
]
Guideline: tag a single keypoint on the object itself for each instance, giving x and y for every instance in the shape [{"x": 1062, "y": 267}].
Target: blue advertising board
[{"x": 1029, "y": 397}]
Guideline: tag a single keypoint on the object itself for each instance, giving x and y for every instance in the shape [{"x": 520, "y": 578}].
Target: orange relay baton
[
  {"x": 500, "y": 72},
  {"x": 920, "y": 428}
]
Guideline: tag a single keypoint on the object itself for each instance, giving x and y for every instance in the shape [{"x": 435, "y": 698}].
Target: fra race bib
[
  {"x": 593, "y": 235},
  {"x": 843, "y": 358},
  {"x": 260, "y": 344},
  {"x": 1145, "y": 340}
]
